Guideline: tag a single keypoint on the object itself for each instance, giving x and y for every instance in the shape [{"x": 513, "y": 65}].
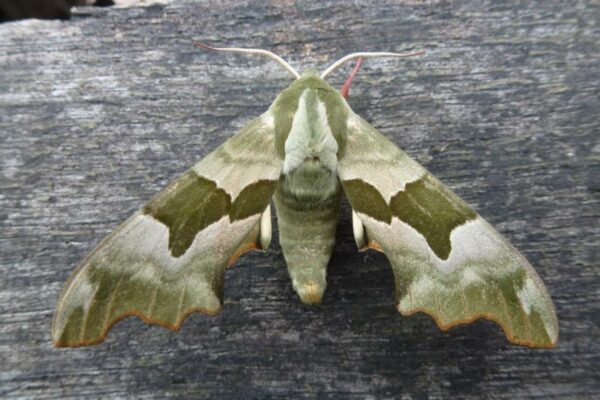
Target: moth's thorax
[
  {"x": 310, "y": 130},
  {"x": 310, "y": 161},
  {"x": 310, "y": 122},
  {"x": 310, "y": 139}
]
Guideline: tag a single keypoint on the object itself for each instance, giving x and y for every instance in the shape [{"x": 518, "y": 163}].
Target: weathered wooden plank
[{"x": 100, "y": 112}]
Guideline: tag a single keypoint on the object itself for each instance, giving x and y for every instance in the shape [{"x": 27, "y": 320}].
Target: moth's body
[
  {"x": 306, "y": 151},
  {"x": 308, "y": 194}
]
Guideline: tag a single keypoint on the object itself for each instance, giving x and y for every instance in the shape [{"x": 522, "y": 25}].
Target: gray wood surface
[{"x": 100, "y": 112}]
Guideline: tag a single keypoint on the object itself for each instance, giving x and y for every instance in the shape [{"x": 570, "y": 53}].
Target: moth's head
[
  {"x": 310, "y": 72},
  {"x": 310, "y": 80}
]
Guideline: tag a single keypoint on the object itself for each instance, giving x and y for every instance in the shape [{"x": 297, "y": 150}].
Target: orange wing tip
[
  {"x": 509, "y": 335},
  {"x": 174, "y": 327},
  {"x": 241, "y": 250},
  {"x": 373, "y": 245}
]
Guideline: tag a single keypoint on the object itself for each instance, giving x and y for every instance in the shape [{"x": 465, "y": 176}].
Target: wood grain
[{"x": 100, "y": 112}]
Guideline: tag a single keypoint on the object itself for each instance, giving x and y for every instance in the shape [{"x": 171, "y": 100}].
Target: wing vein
[
  {"x": 463, "y": 296},
  {"x": 437, "y": 304},
  {"x": 109, "y": 305},
  {"x": 87, "y": 314},
  {"x": 505, "y": 307},
  {"x": 527, "y": 322},
  {"x": 152, "y": 302},
  {"x": 181, "y": 300}
]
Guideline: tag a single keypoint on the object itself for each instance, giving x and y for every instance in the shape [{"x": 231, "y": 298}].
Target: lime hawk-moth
[{"x": 305, "y": 152}]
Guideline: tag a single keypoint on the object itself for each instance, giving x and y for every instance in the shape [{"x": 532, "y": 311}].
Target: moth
[{"x": 305, "y": 152}]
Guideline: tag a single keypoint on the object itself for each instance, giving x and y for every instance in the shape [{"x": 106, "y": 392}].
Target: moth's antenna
[
  {"x": 352, "y": 56},
  {"x": 253, "y": 51}
]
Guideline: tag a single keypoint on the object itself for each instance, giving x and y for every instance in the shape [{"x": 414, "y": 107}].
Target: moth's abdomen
[{"x": 307, "y": 202}]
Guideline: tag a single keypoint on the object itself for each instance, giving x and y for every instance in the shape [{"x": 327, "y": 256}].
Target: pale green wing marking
[
  {"x": 169, "y": 258},
  {"x": 447, "y": 261}
]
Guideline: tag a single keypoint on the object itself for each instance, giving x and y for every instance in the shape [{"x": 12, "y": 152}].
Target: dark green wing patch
[
  {"x": 252, "y": 199},
  {"x": 367, "y": 200},
  {"x": 433, "y": 210},
  {"x": 426, "y": 205},
  {"x": 192, "y": 203}
]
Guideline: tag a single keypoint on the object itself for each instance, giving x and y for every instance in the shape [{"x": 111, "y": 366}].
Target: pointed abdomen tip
[{"x": 310, "y": 293}]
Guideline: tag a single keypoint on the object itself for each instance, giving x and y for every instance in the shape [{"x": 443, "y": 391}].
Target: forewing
[
  {"x": 169, "y": 258},
  {"x": 447, "y": 261}
]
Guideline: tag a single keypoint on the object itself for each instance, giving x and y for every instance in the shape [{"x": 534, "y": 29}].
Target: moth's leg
[
  {"x": 345, "y": 90},
  {"x": 259, "y": 237},
  {"x": 363, "y": 241}
]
